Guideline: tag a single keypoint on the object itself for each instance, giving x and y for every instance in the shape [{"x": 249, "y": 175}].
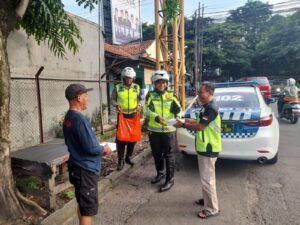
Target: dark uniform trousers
[{"x": 163, "y": 149}]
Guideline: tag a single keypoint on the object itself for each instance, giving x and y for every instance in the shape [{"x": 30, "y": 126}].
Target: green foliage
[
  {"x": 29, "y": 182},
  {"x": 172, "y": 10},
  {"x": 69, "y": 195},
  {"x": 58, "y": 126}
]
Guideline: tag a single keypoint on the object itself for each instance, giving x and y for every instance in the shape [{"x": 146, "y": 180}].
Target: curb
[{"x": 69, "y": 211}]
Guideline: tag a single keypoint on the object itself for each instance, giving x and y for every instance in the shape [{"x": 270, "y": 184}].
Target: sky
[{"x": 211, "y": 8}]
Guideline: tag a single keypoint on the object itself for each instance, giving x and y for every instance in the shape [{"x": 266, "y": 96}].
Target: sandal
[
  {"x": 204, "y": 214},
  {"x": 200, "y": 202}
]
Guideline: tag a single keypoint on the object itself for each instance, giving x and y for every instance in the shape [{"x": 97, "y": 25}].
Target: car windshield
[{"x": 236, "y": 98}]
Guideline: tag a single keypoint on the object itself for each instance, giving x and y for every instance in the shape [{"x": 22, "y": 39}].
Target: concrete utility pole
[
  {"x": 173, "y": 62},
  {"x": 199, "y": 27}
]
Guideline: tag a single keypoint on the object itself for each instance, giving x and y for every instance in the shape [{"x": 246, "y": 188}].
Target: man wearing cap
[{"x": 85, "y": 153}]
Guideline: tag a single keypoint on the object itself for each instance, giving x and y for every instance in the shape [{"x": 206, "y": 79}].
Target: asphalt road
[{"x": 249, "y": 193}]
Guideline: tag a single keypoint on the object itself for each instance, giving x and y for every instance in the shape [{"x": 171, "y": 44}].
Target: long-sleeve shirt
[{"x": 83, "y": 146}]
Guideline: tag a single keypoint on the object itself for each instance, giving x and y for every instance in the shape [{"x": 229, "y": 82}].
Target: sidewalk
[{"x": 68, "y": 214}]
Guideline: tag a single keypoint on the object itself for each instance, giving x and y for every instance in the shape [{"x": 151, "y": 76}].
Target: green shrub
[{"x": 29, "y": 182}]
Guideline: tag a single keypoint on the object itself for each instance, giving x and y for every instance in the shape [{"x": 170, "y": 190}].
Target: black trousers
[
  {"x": 121, "y": 148},
  {"x": 163, "y": 147},
  {"x": 122, "y": 144}
]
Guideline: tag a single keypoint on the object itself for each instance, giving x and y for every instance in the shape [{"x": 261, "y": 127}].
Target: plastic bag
[{"x": 129, "y": 129}]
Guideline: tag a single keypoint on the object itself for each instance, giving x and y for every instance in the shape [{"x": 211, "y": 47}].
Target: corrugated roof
[
  {"x": 113, "y": 49},
  {"x": 129, "y": 50}
]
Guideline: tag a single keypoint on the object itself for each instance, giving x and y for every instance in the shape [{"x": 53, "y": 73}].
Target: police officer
[
  {"x": 126, "y": 97},
  {"x": 208, "y": 146},
  {"x": 162, "y": 106}
]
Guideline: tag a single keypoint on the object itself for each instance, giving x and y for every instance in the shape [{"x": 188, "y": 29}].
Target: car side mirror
[{"x": 271, "y": 100}]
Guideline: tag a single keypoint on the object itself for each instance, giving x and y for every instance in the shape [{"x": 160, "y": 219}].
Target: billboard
[{"x": 126, "y": 22}]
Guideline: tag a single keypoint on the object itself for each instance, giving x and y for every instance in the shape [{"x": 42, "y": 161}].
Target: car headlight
[{"x": 278, "y": 89}]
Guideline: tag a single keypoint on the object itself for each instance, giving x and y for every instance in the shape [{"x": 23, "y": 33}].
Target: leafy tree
[
  {"x": 45, "y": 20},
  {"x": 148, "y": 31},
  {"x": 225, "y": 49},
  {"x": 279, "y": 53},
  {"x": 254, "y": 15}
]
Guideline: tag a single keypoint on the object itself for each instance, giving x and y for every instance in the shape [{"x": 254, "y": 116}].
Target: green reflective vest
[
  {"x": 128, "y": 97},
  {"x": 162, "y": 106},
  {"x": 209, "y": 139}
]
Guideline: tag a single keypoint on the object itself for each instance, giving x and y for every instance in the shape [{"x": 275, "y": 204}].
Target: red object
[
  {"x": 129, "y": 129},
  {"x": 263, "y": 85},
  {"x": 263, "y": 122}
]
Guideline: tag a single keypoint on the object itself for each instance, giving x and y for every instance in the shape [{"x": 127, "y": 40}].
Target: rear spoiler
[{"x": 237, "y": 84}]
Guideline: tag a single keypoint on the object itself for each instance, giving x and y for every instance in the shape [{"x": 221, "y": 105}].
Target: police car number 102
[{"x": 233, "y": 98}]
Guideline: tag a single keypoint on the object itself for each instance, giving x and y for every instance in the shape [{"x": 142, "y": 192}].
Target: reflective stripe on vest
[
  {"x": 209, "y": 139},
  {"x": 162, "y": 105},
  {"x": 128, "y": 97}
]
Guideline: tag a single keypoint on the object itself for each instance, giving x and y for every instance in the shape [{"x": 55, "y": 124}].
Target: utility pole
[
  {"x": 199, "y": 25},
  {"x": 171, "y": 60},
  {"x": 201, "y": 30}
]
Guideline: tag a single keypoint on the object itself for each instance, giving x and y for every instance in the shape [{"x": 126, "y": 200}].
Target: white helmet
[
  {"x": 291, "y": 82},
  {"x": 128, "y": 72},
  {"x": 160, "y": 75}
]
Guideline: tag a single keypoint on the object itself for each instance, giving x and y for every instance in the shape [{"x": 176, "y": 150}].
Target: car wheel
[{"x": 273, "y": 160}]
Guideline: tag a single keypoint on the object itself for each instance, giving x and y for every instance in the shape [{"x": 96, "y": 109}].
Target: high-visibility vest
[
  {"x": 162, "y": 106},
  {"x": 128, "y": 97},
  {"x": 209, "y": 139}
]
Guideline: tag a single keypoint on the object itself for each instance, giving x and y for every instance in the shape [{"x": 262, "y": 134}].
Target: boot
[
  {"x": 129, "y": 161},
  {"x": 158, "y": 178},
  {"x": 120, "y": 164},
  {"x": 167, "y": 186}
]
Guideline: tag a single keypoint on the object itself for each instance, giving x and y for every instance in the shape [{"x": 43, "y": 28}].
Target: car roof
[{"x": 236, "y": 89}]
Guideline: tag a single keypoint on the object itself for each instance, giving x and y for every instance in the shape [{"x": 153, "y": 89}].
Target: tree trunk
[{"x": 9, "y": 203}]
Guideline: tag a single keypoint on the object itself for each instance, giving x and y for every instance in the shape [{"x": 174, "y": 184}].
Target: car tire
[{"x": 273, "y": 160}]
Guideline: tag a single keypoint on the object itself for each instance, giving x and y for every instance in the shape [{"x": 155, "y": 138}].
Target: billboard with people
[{"x": 126, "y": 23}]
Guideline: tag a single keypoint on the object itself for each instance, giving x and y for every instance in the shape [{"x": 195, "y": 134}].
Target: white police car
[{"x": 250, "y": 131}]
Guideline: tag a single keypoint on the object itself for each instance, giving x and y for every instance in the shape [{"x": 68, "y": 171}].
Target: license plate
[{"x": 226, "y": 128}]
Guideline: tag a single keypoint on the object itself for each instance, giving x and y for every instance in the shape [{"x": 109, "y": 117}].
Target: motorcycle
[{"x": 288, "y": 110}]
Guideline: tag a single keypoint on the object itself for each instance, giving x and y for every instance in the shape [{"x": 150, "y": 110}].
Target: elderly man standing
[
  {"x": 85, "y": 153},
  {"x": 208, "y": 146}
]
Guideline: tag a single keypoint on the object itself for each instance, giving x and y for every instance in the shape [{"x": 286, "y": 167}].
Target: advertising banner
[{"x": 126, "y": 23}]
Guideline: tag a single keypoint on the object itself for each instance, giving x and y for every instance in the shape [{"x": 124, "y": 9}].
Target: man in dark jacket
[{"x": 85, "y": 153}]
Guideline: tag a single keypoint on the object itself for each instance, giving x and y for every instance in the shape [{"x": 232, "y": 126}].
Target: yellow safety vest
[
  {"x": 162, "y": 105},
  {"x": 209, "y": 139},
  {"x": 128, "y": 97}
]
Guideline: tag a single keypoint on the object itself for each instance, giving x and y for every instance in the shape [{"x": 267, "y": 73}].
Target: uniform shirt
[
  {"x": 82, "y": 143},
  {"x": 114, "y": 96},
  {"x": 210, "y": 113}
]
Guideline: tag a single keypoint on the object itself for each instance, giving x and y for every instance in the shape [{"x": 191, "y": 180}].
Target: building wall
[{"x": 26, "y": 57}]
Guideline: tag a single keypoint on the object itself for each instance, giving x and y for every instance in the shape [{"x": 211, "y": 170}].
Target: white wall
[{"x": 26, "y": 57}]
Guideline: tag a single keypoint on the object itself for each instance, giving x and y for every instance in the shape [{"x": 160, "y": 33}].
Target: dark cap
[{"x": 73, "y": 90}]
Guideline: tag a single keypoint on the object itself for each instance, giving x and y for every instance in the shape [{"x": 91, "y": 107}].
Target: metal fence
[{"x": 38, "y": 104}]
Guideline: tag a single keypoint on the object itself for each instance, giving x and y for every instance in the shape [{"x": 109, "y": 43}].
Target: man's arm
[{"x": 150, "y": 111}]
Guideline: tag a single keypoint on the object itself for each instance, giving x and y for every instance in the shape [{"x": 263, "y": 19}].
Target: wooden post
[
  {"x": 182, "y": 55},
  {"x": 175, "y": 55}
]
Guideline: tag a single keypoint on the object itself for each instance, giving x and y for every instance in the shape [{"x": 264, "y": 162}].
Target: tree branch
[{"x": 21, "y": 9}]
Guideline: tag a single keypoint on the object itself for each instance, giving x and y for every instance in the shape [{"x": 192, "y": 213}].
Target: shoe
[
  {"x": 167, "y": 186},
  {"x": 129, "y": 161},
  {"x": 200, "y": 202},
  {"x": 158, "y": 178},
  {"x": 120, "y": 165}
]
